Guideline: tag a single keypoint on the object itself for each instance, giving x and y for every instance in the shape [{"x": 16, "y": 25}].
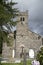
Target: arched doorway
[{"x": 31, "y": 53}]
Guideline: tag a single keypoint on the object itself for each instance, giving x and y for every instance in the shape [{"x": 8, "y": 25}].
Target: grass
[
  {"x": 27, "y": 63},
  {"x": 11, "y": 64}
]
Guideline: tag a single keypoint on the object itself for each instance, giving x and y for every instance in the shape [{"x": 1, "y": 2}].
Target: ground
[{"x": 27, "y": 63}]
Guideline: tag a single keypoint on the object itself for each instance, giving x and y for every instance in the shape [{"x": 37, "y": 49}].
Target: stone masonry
[{"x": 24, "y": 38}]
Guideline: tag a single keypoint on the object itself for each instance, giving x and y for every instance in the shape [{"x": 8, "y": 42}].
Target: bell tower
[
  {"x": 22, "y": 26},
  {"x": 22, "y": 31}
]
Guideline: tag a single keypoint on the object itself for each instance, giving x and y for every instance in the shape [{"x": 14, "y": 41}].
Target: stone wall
[{"x": 25, "y": 37}]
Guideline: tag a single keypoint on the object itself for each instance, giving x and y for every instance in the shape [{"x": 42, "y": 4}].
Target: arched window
[
  {"x": 13, "y": 53},
  {"x": 22, "y": 19}
]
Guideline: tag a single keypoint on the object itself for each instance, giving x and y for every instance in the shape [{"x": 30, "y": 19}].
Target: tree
[
  {"x": 7, "y": 14},
  {"x": 40, "y": 56}
]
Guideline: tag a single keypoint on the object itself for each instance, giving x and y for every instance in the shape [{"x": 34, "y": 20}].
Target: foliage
[
  {"x": 7, "y": 14},
  {"x": 40, "y": 56}
]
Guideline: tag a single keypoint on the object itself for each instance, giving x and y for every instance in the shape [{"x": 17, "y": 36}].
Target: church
[{"x": 25, "y": 40}]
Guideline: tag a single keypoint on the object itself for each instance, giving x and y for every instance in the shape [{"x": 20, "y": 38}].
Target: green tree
[
  {"x": 40, "y": 56},
  {"x": 7, "y": 14}
]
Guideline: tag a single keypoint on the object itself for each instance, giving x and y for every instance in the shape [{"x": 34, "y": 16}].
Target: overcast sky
[{"x": 35, "y": 8}]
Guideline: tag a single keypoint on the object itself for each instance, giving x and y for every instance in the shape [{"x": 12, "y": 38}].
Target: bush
[{"x": 40, "y": 56}]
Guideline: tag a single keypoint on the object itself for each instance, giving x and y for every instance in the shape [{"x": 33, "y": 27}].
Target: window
[
  {"x": 15, "y": 34},
  {"x": 13, "y": 53},
  {"x": 22, "y": 19}
]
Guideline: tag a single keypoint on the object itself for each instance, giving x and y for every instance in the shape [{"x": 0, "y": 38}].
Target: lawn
[{"x": 27, "y": 63}]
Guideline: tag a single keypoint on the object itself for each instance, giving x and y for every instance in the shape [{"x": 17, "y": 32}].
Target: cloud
[{"x": 35, "y": 8}]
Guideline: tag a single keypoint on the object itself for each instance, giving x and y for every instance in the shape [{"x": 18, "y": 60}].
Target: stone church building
[{"x": 25, "y": 39}]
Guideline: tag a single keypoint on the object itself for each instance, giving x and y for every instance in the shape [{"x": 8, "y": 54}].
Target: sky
[{"x": 35, "y": 10}]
